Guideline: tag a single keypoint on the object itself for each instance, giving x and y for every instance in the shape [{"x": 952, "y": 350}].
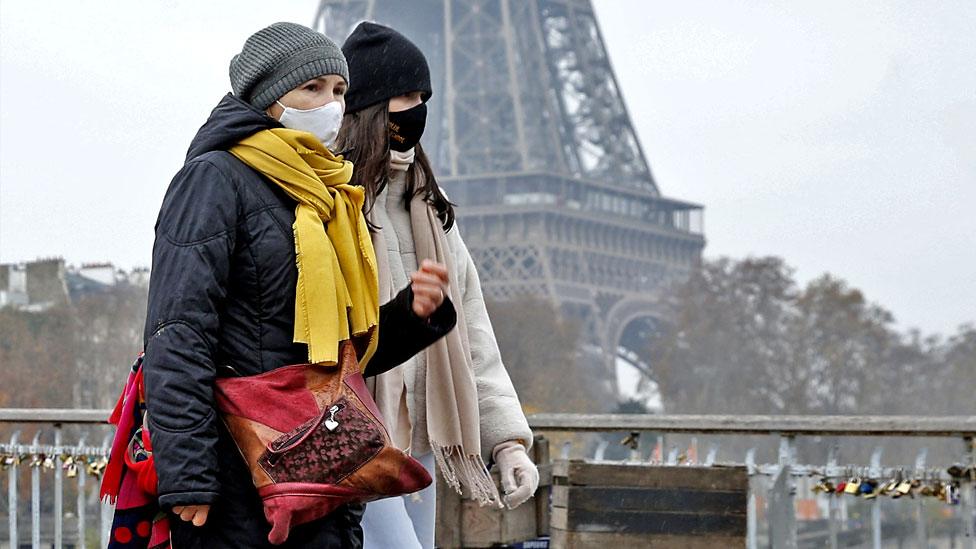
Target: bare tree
[
  {"x": 543, "y": 355},
  {"x": 743, "y": 338}
]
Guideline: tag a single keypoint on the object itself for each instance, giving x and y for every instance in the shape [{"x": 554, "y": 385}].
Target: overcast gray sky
[{"x": 840, "y": 135}]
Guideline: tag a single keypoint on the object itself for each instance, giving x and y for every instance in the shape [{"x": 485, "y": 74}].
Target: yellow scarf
[{"x": 337, "y": 296}]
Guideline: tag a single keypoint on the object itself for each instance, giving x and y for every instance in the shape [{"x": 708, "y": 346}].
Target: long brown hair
[{"x": 365, "y": 135}]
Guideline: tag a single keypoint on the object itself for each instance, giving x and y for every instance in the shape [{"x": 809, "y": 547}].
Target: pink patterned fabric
[
  {"x": 248, "y": 397},
  {"x": 129, "y": 481}
]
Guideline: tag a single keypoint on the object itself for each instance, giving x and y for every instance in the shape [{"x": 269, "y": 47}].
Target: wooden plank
[
  {"x": 447, "y": 529},
  {"x": 560, "y": 496},
  {"x": 581, "y": 473},
  {"x": 542, "y": 506},
  {"x": 472, "y": 525},
  {"x": 598, "y": 498},
  {"x": 517, "y": 524},
  {"x": 540, "y": 448},
  {"x": 594, "y": 540},
  {"x": 545, "y": 474},
  {"x": 558, "y": 517},
  {"x": 653, "y": 523},
  {"x": 489, "y": 526},
  {"x": 480, "y": 527},
  {"x": 791, "y": 425}
]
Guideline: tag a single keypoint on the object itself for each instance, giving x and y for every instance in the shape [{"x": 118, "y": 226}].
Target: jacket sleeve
[
  {"x": 404, "y": 334},
  {"x": 195, "y": 236},
  {"x": 501, "y": 413}
]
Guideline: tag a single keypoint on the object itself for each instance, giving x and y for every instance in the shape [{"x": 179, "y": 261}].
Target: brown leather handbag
[{"x": 313, "y": 440}]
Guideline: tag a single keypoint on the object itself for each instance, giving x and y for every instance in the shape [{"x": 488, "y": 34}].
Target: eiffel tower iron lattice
[{"x": 531, "y": 138}]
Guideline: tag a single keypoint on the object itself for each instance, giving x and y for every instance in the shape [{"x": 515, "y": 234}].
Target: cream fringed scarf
[{"x": 453, "y": 419}]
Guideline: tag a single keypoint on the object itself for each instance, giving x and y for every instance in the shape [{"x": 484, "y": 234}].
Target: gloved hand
[{"x": 520, "y": 477}]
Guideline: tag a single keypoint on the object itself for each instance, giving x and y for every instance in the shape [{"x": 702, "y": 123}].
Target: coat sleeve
[
  {"x": 501, "y": 413},
  {"x": 195, "y": 237},
  {"x": 404, "y": 334}
]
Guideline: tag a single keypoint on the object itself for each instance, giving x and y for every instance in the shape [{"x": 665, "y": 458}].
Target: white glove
[{"x": 520, "y": 478}]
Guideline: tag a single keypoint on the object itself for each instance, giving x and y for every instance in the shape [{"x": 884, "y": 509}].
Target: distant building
[
  {"x": 103, "y": 273},
  {"x": 42, "y": 284},
  {"x": 139, "y": 276},
  {"x": 35, "y": 285},
  {"x": 13, "y": 285}
]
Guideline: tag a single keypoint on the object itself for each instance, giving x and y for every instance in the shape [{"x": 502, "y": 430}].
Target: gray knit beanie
[{"x": 276, "y": 59}]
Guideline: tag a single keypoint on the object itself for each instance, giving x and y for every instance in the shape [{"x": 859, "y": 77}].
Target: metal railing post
[
  {"x": 752, "y": 519},
  {"x": 643, "y": 442},
  {"x": 782, "y": 514},
  {"x": 968, "y": 488},
  {"x": 82, "y": 542},
  {"x": 105, "y": 522},
  {"x": 921, "y": 529},
  {"x": 712, "y": 454},
  {"x": 106, "y": 507},
  {"x": 35, "y": 492},
  {"x": 875, "y": 472},
  {"x": 600, "y": 450},
  {"x": 831, "y": 499},
  {"x": 12, "y": 491},
  {"x": 58, "y": 490}
]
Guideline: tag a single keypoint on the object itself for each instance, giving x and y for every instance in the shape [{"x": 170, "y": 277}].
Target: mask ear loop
[{"x": 284, "y": 109}]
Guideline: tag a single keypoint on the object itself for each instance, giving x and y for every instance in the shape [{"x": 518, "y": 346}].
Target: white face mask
[{"x": 322, "y": 122}]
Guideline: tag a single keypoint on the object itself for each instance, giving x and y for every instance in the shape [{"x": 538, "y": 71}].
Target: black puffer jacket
[{"x": 222, "y": 292}]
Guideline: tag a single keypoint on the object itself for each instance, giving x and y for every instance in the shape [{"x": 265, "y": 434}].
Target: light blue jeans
[{"x": 405, "y": 522}]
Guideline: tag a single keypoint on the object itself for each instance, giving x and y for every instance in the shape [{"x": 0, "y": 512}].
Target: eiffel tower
[{"x": 531, "y": 138}]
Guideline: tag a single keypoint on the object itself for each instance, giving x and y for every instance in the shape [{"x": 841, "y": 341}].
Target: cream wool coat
[{"x": 501, "y": 416}]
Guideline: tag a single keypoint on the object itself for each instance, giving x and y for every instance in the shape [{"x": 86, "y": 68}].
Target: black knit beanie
[{"x": 382, "y": 64}]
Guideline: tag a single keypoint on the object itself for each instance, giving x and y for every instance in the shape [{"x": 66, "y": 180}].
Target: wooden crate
[
  {"x": 605, "y": 505},
  {"x": 463, "y": 523}
]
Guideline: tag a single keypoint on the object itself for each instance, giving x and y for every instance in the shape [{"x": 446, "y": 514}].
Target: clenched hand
[
  {"x": 429, "y": 286},
  {"x": 197, "y": 514},
  {"x": 520, "y": 477}
]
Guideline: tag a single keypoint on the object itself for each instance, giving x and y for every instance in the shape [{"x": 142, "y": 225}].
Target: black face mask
[{"x": 406, "y": 127}]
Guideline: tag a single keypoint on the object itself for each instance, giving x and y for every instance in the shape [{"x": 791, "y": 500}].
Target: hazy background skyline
[{"x": 841, "y": 137}]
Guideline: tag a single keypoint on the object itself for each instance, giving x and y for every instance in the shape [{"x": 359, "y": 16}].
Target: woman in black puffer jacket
[{"x": 223, "y": 293}]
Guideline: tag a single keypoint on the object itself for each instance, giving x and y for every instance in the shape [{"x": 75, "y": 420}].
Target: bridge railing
[
  {"x": 78, "y": 463},
  {"x": 59, "y": 466},
  {"x": 787, "y": 472}
]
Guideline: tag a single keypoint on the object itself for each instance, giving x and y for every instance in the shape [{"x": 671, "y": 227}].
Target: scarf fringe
[{"x": 466, "y": 472}]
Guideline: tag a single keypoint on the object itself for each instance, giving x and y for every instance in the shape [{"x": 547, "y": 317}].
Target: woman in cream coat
[{"x": 453, "y": 406}]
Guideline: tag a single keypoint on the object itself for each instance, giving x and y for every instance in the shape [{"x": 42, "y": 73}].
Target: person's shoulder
[
  {"x": 211, "y": 175},
  {"x": 203, "y": 199},
  {"x": 453, "y": 234},
  {"x": 216, "y": 162}
]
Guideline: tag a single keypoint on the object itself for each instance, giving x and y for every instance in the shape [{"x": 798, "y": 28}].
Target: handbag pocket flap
[{"x": 325, "y": 449}]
